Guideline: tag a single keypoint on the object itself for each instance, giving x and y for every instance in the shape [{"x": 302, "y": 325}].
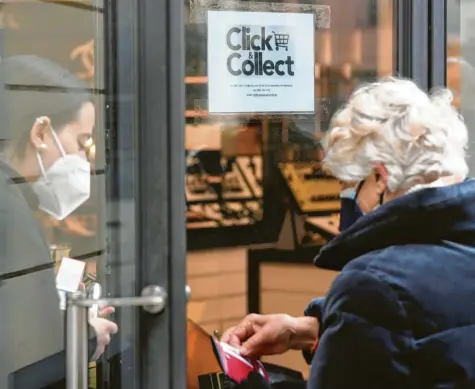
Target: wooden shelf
[
  {"x": 196, "y": 80},
  {"x": 202, "y": 113},
  {"x": 194, "y": 113}
]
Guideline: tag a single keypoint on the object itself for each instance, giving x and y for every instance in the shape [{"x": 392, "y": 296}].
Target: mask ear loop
[
  {"x": 358, "y": 189},
  {"x": 38, "y": 157},
  {"x": 58, "y": 143}
]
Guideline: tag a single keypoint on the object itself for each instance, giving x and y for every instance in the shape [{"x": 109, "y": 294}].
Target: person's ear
[
  {"x": 40, "y": 132},
  {"x": 381, "y": 174}
]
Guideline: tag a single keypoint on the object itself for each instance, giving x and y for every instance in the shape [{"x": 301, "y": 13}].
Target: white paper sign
[
  {"x": 70, "y": 275},
  {"x": 261, "y": 62}
]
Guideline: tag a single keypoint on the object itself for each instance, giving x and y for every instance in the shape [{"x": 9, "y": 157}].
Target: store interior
[
  {"x": 258, "y": 204},
  {"x": 272, "y": 206}
]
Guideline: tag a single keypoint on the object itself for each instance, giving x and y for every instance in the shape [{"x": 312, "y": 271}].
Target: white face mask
[{"x": 65, "y": 185}]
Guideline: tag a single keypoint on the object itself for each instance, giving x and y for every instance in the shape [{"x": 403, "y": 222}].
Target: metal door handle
[
  {"x": 76, "y": 344},
  {"x": 94, "y": 291},
  {"x": 153, "y": 299}
]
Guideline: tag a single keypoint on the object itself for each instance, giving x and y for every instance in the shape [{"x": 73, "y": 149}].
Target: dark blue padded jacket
[{"x": 401, "y": 315}]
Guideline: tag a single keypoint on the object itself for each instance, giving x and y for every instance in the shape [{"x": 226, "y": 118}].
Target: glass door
[{"x": 91, "y": 93}]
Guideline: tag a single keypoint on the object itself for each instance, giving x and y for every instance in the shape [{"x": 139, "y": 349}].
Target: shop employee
[{"x": 47, "y": 119}]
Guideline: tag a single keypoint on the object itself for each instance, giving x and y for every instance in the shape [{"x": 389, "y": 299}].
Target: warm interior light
[
  {"x": 92, "y": 151},
  {"x": 91, "y": 148}
]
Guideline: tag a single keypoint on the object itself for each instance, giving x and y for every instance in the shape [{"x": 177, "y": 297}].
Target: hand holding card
[{"x": 237, "y": 367}]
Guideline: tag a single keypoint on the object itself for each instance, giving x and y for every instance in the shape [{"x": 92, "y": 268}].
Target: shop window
[
  {"x": 237, "y": 164},
  {"x": 256, "y": 177},
  {"x": 461, "y": 62},
  {"x": 58, "y": 49}
]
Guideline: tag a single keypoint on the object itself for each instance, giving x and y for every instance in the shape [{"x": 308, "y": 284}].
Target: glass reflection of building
[{"x": 27, "y": 29}]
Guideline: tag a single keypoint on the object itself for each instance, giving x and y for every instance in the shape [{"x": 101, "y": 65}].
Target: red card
[{"x": 237, "y": 367}]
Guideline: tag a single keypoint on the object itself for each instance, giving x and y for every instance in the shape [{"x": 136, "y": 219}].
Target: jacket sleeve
[
  {"x": 313, "y": 309},
  {"x": 364, "y": 337}
]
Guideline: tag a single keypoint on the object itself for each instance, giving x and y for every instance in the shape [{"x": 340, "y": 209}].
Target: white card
[{"x": 70, "y": 275}]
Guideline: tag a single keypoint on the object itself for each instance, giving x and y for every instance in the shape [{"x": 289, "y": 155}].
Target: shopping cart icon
[{"x": 281, "y": 40}]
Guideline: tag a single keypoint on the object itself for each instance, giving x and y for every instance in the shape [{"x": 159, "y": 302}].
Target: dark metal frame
[
  {"x": 120, "y": 24},
  {"x": 421, "y": 41},
  {"x": 412, "y": 40},
  {"x": 438, "y": 43},
  {"x": 145, "y": 63},
  {"x": 177, "y": 207},
  {"x": 161, "y": 251},
  {"x": 255, "y": 258}
]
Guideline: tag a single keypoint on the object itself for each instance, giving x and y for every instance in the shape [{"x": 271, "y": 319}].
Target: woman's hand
[
  {"x": 103, "y": 328},
  {"x": 105, "y": 311},
  {"x": 259, "y": 335}
]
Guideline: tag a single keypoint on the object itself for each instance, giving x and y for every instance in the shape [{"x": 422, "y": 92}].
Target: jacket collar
[{"x": 432, "y": 214}]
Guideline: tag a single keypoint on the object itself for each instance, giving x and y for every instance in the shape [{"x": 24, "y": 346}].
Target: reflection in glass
[
  {"x": 59, "y": 50},
  {"x": 44, "y": 170}
]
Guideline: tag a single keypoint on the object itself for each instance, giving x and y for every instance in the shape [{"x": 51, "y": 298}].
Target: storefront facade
[{"x": 185, "y": 179}]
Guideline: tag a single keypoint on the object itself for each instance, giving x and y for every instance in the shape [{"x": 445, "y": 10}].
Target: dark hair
[{"x": 31, "y": 87}]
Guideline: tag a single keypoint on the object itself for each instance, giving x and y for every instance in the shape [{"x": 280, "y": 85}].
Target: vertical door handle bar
[
  {"x": 153, "y": 299},
  {"x": 76, "y": 344}
]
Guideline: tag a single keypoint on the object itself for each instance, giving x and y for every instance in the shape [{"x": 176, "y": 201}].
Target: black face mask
[{"x": 350, "y": 211}]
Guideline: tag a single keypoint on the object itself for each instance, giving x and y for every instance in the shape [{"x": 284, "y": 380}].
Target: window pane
[
  {"x": 53, "y": 197},
  {"x": 255, "y": 177},
  {"x": 231, "y": 158},
  {"x": 461, "y": 60}
]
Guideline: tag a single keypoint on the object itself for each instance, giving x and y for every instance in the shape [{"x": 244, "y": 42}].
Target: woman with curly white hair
[{"x": 401, "y": 314}]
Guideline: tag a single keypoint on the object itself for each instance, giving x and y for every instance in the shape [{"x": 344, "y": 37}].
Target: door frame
[
  {"x": 421, "y": 41},
  {"x": 438, "y": 42},
  {"x": 145, "y": 62},
  {"x": 155, "y": 53},
  {"x": 412, "y": 40},
  {"x": 161, "y": 255}
]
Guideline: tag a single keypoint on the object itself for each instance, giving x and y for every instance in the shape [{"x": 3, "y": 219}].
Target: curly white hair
[{"x": 418, "y": 137}]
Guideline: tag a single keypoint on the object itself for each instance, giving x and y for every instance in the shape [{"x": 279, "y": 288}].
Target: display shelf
[
  {"x": 224, "y": 178},
  {"x": 233, "y": 197},
  {"x": 199, "y": 113},
  {"x": 312, "y": 190},
  {"x": 327, "y": 226},
  {"x": 273, "y": 175},
  {"x": 313, "y": 205}
]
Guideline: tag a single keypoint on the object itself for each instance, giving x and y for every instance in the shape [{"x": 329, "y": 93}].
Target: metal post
[
  {"x": 153, "y": 300},
  {"x": 76, "y": 343}
]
